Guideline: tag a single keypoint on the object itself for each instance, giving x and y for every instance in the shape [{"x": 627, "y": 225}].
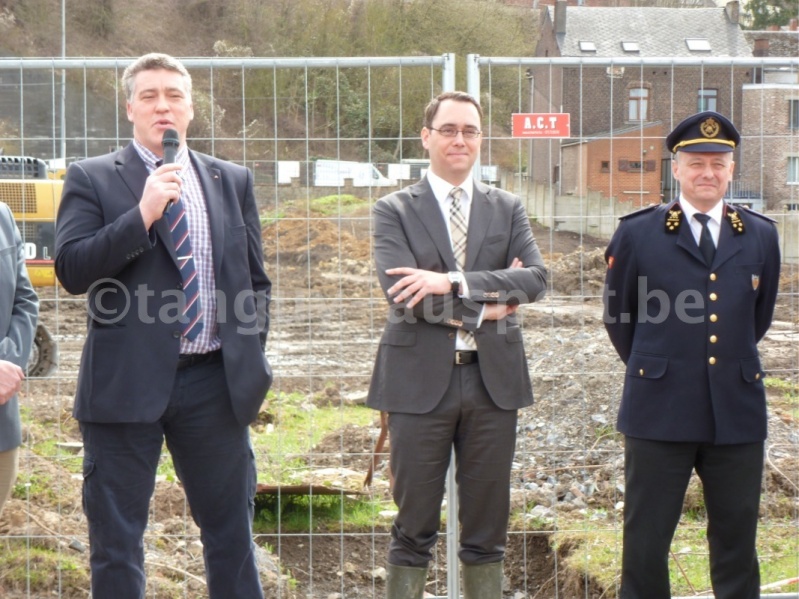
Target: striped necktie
[
  {"x": 458, "y": 228},
  {"x": 192, "y": 312}
]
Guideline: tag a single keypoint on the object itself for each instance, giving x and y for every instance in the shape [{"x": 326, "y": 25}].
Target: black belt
[
  {"x": 189, "y": 360},
  {"x": 465, "y": 357}
]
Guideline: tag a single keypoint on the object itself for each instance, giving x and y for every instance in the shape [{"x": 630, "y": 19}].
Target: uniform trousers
[
  {"x": 483, "y": 437},
  {"x": 9, "y": 464},
  {"x": 214, "y": 460},
  {"x": 657, "y": 474}
]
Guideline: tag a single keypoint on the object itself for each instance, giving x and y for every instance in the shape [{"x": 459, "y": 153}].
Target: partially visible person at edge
[
  {"x": 170, "y": 256},
  {"x": 690, "y": 290},
  {"x": 455, "y": 258},
  {"x": 19, "y": 312}
]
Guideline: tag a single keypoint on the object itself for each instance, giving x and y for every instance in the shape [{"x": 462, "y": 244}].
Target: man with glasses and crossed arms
[{"x": 455, "y": 259}]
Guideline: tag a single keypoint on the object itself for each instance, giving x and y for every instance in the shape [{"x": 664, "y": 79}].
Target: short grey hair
[{"x": 151, "y": 62}]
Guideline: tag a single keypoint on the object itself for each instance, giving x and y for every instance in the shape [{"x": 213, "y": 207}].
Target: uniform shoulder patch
[{"x": 644, "y": 210}]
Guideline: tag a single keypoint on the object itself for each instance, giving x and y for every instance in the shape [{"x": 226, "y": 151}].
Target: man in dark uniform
[{"x": 690, "y": 290}]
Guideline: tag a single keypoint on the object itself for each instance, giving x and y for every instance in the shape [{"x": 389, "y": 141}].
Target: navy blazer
[
  {"x": 687, "y": 332},
  {"x": 416, "y": 353},
  {"x": 130, "y": 356}
]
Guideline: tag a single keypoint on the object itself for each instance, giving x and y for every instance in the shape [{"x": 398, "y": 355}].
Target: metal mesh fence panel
[{"x": 325, "y": 138}]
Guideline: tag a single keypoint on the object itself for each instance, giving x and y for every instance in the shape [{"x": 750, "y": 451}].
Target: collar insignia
[
  {"x": 734, "y": 219},
  {"x": 673, "y": 218}
]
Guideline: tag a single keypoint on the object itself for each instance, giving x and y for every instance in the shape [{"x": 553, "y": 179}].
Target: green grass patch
[
  {"x": 35, "y": 484},
  {"x": 299, "y": 424},
  {"x": 783, "y": 395},
  {"x": 325, "y": 206},
  {"x": 287, "y": 453},
  {"x": 320, "y": 513},
  {"x": 592, "y": 549},
  {"x": 334, "y": 205},
  {"x": 24, "y": 568}
]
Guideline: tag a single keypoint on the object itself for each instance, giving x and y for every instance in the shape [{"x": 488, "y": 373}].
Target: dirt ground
[{"x": 326, "y": 317}]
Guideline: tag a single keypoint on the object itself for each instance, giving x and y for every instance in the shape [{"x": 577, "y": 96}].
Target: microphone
[{"x": 170, "y": 142}]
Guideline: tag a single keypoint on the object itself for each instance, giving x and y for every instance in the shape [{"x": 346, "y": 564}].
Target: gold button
[
  {"x": 713, "y": 338},
  {"x": 713, "y": 297},
  {"x": 713, "y": 318},
  {"x": 641, "y": 372},
  {"x": 712, "y": 360},
  {"x": 713, "y": 276},
  {"x": 757, "y": 376}
]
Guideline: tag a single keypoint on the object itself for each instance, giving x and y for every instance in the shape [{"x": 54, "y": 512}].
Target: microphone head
[
  {"x": 171, "y": 138},
  {"x": 170, "y": 142}
]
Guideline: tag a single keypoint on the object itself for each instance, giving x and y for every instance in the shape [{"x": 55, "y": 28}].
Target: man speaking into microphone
[{"x": 166, "y": 243}]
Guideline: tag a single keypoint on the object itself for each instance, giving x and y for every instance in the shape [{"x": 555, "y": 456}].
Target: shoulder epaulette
[
  {"x": 756, "y": 213},
  {"x": 639, "y": 212}
]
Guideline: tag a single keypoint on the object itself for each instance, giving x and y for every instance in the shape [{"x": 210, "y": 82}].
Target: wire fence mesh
[{"x": 322, "y": 533}]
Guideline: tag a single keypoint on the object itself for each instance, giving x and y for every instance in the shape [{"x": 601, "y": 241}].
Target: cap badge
[{"x": 710, "y": 127}]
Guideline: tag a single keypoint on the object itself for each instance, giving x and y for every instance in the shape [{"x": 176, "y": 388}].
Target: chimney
[
  {"x": 761, "y": 47},
  {"x": 793, "y": 25},
  {"x": 560, "y": 16},
  {"x": 733, "y": 10}
]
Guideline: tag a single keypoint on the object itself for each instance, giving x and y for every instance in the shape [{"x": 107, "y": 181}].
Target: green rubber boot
[
  {"x": 483, "y": 581},
  {"x": 404, "y": 582}
]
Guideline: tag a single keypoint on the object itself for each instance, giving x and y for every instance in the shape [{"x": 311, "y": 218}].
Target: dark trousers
[
  {"x": 213, "y": 458},
  {"x": 656, "y": 478},
  {"x": 484, "y": 439}
]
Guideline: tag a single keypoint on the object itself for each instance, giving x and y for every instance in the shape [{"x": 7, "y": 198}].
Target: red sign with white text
[{"x": 542, "y": 124}]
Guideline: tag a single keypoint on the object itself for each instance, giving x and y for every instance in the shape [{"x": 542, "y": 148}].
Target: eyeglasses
[{"x": 468, "y": 133}]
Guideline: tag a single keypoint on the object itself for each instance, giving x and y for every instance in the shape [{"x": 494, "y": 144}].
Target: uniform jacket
[
  {"x": 416, "y": 353},
  {"x": 19, "y": 311},
  {"x": 102, "y": 248},
  {"x": 687, "y": 332}
]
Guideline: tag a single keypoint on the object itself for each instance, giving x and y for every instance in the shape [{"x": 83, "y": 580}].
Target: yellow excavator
[{"x": 33, "y": 192}]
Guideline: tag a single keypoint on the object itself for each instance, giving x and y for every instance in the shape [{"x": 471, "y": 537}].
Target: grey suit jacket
[
  {"x": 416, "y": 353},
  {"x": 131, "y": 275},
  {"x": 19, "y": 311}
]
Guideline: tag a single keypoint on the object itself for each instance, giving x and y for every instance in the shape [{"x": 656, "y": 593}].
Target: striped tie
[
  {"x": 192, "y": 310},
  {"x": 458, "y": 228}
]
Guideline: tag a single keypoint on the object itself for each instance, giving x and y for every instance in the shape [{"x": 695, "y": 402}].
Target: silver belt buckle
[{"x": 458, "y": 358}]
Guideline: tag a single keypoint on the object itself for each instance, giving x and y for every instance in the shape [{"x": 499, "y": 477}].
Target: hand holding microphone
[
  {"x": 163, "y": 186},
  {"x": 170, "y": 143}
]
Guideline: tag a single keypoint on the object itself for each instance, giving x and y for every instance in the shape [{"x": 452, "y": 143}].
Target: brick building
[
  {"x": 770, "y": 146},
  {"x": 624, "y": 165},
  {"x": 611, "y": 102}
]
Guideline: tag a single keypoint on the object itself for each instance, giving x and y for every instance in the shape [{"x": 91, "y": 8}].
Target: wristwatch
[{"x": 455, "y": 279}]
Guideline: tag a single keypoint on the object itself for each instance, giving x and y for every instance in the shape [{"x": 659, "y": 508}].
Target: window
[
  {"x": 605, "y": 166},
  {"x": 587, "y": 47},
  {"x": 631, "y": 47},
  {"x": 707, "y": 100},
  {"x": 697, "y": 44},
  {"x": 794, "y": 113},
  {"x": 639, "y": 104},
  {"x": 793, "y": 169}
]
